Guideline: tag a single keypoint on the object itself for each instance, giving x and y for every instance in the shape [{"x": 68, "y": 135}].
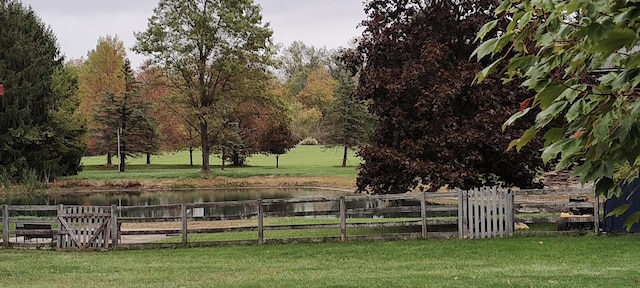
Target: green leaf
[
  {"x": 575, "y": 111},
  {"x": 486, "y": 28},
  {"x": 484, "y": 49},
  {"x": 487, "y": 70},
  {"x": 614, "y": 40},
  {"x": 514, "y": 117},
  {"x": 526, "y": 138},
  {"x": 551, "y": 152},
  {"x": 503, "y": 7},
  {"x": 543, "y": 118},
  {"x": 573, "y": 92},
  {"x": 548, "y": 95},
  {"x": 553, "y": 135},
  {"x": 632, "y": 220},
  {"x": 618, "y": 211}
]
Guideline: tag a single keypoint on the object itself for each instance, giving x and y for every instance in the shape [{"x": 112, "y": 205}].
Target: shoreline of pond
[{"x": 137, "y": 186}]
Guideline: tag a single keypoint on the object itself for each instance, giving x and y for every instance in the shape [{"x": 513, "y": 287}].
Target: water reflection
[{"x": 240, "y": 211}]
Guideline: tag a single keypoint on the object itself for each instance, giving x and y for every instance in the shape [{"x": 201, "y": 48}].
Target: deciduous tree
[
  {"x": 101, "y": 72},
  {"x": 206, "y": 47},
  {"x": 435, "y": 128},
  {"x": 581, "y": 59}
]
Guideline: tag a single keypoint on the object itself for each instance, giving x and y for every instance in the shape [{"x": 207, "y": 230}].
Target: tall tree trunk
[
  {"x": 122, "y": 160},
  {"x": 190, "y": 156},
  {"x": 148, "y": 158},
  {"x": 223, "y": 158},
  {"x": 204, "y": 136},
  {"x": 109, "y": 162},
  {"x": 344, "y": 156},
  {"x": 277, "y": 160}
]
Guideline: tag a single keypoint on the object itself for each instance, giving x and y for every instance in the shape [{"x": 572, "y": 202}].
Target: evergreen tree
[
  {"x": 32, "y": 134},
  {"x": 347, "y": 123},
  {"x": 128, "y": 112}
]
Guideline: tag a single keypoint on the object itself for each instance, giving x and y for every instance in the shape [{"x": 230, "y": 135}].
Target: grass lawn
[
  {"x": 589, "y": 261},
  {"x": 301, "y": 161}
]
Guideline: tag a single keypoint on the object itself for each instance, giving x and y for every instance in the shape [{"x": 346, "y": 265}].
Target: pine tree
[
  {"x": 128, "y": 112},
  {"x": 347, "y": 123},
  {"x": 32, "y": 136}
]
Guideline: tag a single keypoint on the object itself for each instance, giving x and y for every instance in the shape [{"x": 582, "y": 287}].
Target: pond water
[
  {"x": 172, "y": 197},
  {"x": 205, "y": 196}
]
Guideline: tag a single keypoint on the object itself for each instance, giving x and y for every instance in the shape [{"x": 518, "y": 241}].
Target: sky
[{"x": 78, "y": 24}]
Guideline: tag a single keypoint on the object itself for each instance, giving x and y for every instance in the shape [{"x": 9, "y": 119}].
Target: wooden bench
[{"x": 34, "y": 230}]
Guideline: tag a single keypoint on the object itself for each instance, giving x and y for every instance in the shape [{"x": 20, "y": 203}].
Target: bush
[{"x": 309, "y": 141}]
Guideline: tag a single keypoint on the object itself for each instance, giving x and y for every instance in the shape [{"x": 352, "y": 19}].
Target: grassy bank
[
  {"x": 514, "y": 262},
  {"x": 302, "y": 166}
]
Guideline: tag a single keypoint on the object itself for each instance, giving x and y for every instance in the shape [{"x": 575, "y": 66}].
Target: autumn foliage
[{"x": 436, "y": 127}]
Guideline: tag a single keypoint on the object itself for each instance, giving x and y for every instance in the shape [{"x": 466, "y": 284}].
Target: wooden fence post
[
  {"x": 260, "y": 221},
  {"x": 596, "y": 214},
  {"x": 343, "y": 219},
  {"x": 423, "y": 213},
  {"x": 114, "y": 227},
  {"x": 60, "y": 227},
  {"x": 184, "y": 224},
  {"x": 5, "y": 226}
]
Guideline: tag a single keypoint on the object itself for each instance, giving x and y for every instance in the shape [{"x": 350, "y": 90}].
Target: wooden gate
[
  {"x": 485, "y": 213},
  {"x": 84, "y": 227}
]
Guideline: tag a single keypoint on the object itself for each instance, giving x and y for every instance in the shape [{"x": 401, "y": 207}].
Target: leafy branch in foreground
[{"x": 581, "y": 59}]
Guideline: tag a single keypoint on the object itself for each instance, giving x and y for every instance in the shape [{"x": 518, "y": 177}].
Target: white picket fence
[{"x": 485, "y": 213}]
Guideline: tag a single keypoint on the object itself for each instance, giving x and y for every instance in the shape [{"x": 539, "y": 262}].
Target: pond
[
  {"x": 172, "y": 196},
  {"x": 205, "y": 196}
]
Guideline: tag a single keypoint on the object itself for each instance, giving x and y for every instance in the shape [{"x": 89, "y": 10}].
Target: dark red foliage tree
[{"x": 436, "y": 127}]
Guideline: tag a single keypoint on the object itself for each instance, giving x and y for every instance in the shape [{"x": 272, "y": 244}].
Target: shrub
[{"x": 309, "y": 141}]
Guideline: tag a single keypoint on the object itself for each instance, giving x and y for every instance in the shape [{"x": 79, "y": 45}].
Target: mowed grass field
[
  {"x": 301, "y": 161},
  {"x": 592, "y": 261}
]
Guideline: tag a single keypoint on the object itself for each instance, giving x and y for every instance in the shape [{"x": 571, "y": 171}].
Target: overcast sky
[{"x": 79, "y": 23}]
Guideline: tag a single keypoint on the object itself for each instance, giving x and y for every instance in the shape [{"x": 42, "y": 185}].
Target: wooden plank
[
  {"x": 343, "y": 219},
  {"x": 260, "y": 221},
  {"x": 35, "y": 220},
  {"x": 59, "y": 245},
  {"x": 500, "y": 213},
  {"x": 5, "y": 226},
  {"x": 114, "y": 227},
  {"x": 442, "y": 195},
  {"x": 460, "y": 214},
  {"x": 586, "y": 191},
  {"x": 389, "y": 197},
  {"x": 423, "y": 214},
  {"x": 268, "y": 202},
  {"x": 221, "y": 204},
  {"x": 85, "y": 214},
  {"x": 482, "y": 205},
  {"x": 476, "y": 212},
  {"x": 494, "y": 213},
  {"x": 596, "y": 214},
  {"x": 400, "y": 209},
  {"x": 32, "y": 208},
  {"x": 300, "y": 213},
  {"x": 510, "y": 212},
  {"x": 151, "y": 207},
  {"x": 185, "y": 230}
]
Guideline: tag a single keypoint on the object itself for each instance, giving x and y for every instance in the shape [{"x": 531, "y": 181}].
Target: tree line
[
  {"x": 416, "y": 88},
  {"x": 216, "y": 84}
]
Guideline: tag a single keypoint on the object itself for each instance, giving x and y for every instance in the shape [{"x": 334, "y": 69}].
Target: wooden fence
[{"x": 484, "y": 213}]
